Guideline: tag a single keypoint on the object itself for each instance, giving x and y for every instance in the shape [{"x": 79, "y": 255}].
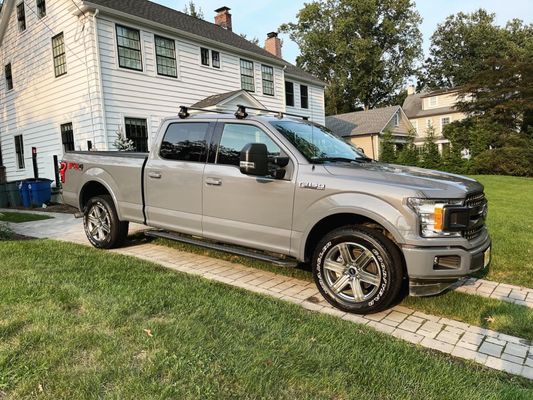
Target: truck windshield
[{"x": 317, "y": 143}]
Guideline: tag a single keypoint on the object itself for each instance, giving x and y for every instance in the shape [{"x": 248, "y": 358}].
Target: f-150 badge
[{"x": 311, "y": 185}]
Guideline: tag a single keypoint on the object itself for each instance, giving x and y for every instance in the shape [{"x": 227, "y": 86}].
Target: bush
[
  {"x": 5, "y": 231},
  {"x": 517, "y": 161}
]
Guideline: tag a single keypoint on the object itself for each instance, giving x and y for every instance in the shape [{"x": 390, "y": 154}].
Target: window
[
  {"x": 41, "y": 8},
  {"x": 137, "y": 132},
  {"x": 21, "y": 16},
  {"x": 215, "y": 58},
  {"x": 129, "y": 48},
  {"x": 204, "y": 53},
  {"x": 445, "y": 121},
  {"x": 9, "y": 77},
  {"x": 165, "y": 54},
  {"x": 186, "y": 141},
  {"x": 289, "y": 94},
  {"x": 247, "y": 75},
  {"x": 58, "y": 51},
  {"x": 268, "y": 80},
  {"x": 19, "y": 150},
  {"x": 433, "y": 101},
  {"x": 67, "y": 137},
  {"x": 304, "y": 96},
  {"x": 396, "y": 119},
  {"x": 236, "y": 136}
]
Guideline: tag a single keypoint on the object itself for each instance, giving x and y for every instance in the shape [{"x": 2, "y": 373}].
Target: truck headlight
[{"x": 431, "y": 216}]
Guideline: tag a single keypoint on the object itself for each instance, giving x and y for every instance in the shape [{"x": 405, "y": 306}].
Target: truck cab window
[
  {"x": 185, "y": 142},
  {"x": 236, "y": 136}
]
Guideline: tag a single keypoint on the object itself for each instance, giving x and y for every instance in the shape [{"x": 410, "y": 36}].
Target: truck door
[
  {"x": 173, "y": 177},
  {"x": 241, "y": 209}
]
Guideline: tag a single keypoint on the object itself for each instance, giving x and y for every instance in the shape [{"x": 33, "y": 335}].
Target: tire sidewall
[
  {"x": 111, "y": 239},
  {"x": 386, "y": 291}
]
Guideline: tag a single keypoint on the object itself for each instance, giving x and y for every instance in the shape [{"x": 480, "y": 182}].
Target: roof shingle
[{"x": 361, "y": 122}]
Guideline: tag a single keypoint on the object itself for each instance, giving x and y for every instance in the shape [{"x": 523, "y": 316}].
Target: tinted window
[
  {"x": 185, "y": 142},
  {"x": 236, "y": 136}
]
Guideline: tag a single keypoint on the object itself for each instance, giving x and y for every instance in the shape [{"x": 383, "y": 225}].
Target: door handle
[
  {"x": 213, "y": 182},
  {"x": 154, "y": 175}
]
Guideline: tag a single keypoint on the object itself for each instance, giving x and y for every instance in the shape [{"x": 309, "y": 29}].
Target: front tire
[
  {"x": 102, "y": 226},
  {"x": 358, "y": 270}
]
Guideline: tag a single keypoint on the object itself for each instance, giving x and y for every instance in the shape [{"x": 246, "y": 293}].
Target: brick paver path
[
  {"x": 499, "y": 291},
  {"x": 492, "y": 349}
]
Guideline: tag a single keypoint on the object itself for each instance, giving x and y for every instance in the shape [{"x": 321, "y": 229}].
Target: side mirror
[{"x": 254, "y": 159}]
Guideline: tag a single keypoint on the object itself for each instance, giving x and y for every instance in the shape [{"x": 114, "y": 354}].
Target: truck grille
[{"x": 477, "y": 203}]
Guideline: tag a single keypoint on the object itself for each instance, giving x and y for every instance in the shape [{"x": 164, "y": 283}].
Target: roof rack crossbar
[
  {"x": 280, "y": 114},
  {"x": 184, "y": 111}
]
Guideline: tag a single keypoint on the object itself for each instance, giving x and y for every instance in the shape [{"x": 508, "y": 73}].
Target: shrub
[
  {"x": 387, "y": 153},
  {"x": 6, "y": 232},
  {"x": 517, "y": 161}
]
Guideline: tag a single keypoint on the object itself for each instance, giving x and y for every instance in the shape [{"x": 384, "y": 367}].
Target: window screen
[
  {"x": 236, "y": 136},
  {"x": 165, "y": 51},
  {"x": 247, "y": 75},
  {"x": 204, "y": 53},
  {"x": 129, "y": 48},
  {"x": 186, "y": 141},
  {"x": 58, "y": 51},
  {"x": 215, "y": 58},
  {"x": 137, "y": 132},
  {"x": 268, "y": 80}
]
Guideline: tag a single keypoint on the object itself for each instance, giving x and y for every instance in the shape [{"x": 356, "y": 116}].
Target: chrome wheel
[
  {"x": 98, "y": 222},
  {"x": 352, "y": 272}
]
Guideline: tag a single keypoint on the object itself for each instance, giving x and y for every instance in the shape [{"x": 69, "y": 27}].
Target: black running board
[{"x": 239, "y": 251}]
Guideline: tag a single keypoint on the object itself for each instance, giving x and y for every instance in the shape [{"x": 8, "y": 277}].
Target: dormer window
[
  {"x": 396, "y": 119},
  {"x": 21, "y": 17},
  {"x": 433, "y": 101},
  {"x": 41, "y": 8}
]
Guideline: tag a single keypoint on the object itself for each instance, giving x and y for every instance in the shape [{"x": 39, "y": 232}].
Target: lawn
[
  {"x": 510, "y": 223},
  {"x": 17, "y": 217},
  {"x": 79, "y": 323}
]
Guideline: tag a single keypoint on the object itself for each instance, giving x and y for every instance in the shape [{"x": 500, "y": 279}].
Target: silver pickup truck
[{"x": 287, "y": 188}]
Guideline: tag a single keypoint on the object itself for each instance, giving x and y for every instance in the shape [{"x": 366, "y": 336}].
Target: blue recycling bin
[
  {"x": 40, "y": 191},
  {"x": 24, "y": 193}
]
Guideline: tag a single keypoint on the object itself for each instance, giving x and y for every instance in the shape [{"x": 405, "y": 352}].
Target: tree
[
  {"x": 122, "y": 143},
  {"x": 364, "y": 49},
  {"x": 387, "y": 152},
  {"x": 193, "y": 10},
  {"x": 253, "y": 40},
  {"x": 430, "y": 156},
  {"x": 475, "y": 134},
  {"x": 408, "y": 155},
  {"x": 463, "y": 45}
]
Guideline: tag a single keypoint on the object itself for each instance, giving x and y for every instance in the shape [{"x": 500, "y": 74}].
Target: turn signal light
[{"x": 439, "y": 220}]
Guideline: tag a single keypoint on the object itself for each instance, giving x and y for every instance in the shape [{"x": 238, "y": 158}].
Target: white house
[{"x": 76, "y": 72}]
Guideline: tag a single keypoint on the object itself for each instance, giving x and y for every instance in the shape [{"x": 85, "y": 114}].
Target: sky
[{"x": 257, "y": 18}]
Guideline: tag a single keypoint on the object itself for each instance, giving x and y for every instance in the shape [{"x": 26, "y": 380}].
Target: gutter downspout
[{"x": 100, "y": 79}]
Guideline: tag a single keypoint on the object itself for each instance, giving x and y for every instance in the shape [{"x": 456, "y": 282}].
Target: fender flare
[{"x": 106, "y": 180}]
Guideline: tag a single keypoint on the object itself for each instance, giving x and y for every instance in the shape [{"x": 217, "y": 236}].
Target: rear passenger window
[
  {"x": 236, "y": 136},
  {"x": 185, "y": 142}
]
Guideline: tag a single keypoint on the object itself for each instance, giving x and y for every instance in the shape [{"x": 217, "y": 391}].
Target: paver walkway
[
  {"x": 492, "y": 349},
  {"x": 500, "y": 291}
]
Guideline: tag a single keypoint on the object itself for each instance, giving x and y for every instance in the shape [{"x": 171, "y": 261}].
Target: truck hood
[{"x": 432, "y": 184}]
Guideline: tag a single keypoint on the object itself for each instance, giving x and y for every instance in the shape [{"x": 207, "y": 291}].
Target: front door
[
  {"x": 241, "y": 209},
  {"x": 173, "y": 178}
]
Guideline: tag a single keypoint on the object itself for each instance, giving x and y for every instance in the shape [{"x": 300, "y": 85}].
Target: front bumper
[{"x": 426, "y": 277}]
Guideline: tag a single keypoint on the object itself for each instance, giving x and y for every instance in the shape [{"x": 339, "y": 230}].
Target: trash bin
[
  {"x": 13, "y": 195},
  {"x": 25, "y": 193},
  {"x": 40, "y": 191},
  {"x": 3, "y": 196}
]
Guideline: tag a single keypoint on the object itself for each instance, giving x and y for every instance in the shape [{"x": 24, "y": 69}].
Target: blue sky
[{"x": 257, "y": 18}]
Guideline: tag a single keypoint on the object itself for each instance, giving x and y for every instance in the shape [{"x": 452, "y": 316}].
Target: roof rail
[
  {"x": 184, "y": 111},
  {"x": 242, "y": 114}
]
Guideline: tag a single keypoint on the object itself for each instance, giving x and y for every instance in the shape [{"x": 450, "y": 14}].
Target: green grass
[
  {"x": 72, "y": 323},
  {"x": 510, "y": 224},
  {"x": 19, "y": 217}
]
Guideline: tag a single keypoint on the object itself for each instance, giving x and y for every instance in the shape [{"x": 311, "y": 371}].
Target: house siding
[
  {"x": 39, "y": 102},
  {"x": 316, "y": 110}
]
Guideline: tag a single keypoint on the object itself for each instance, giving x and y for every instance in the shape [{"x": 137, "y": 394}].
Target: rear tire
[
  {"x": 102, "y": 226},
  {"x": 358, "y": 270}
]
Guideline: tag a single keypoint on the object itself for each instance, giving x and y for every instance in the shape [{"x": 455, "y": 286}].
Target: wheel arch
[{"x": 96, "y": 187}]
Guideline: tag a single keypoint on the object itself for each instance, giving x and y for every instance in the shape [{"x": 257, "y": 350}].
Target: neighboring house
[
  {"x": 76, "y": 72},
  {"x": 433, "y": 109},
  {"x": 365, "y": 129}
]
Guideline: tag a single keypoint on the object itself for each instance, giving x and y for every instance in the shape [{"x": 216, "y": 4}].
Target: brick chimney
[
  {"x": 223, "y": 18},
  {"x": 273, "y": 44}
]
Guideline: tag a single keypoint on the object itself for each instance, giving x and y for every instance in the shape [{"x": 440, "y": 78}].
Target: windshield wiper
[{"x": 341, "y": 159}]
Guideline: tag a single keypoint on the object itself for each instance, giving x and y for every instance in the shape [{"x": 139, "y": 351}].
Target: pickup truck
[{"x": 277, "y": 185}]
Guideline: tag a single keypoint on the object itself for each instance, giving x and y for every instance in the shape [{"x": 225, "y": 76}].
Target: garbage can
[
  {"x": 40, "y": 191},
  {"x": 25, "y": 193},
  {"x": 13, "y": 195},
  {"x": 3, "y": 196}
]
